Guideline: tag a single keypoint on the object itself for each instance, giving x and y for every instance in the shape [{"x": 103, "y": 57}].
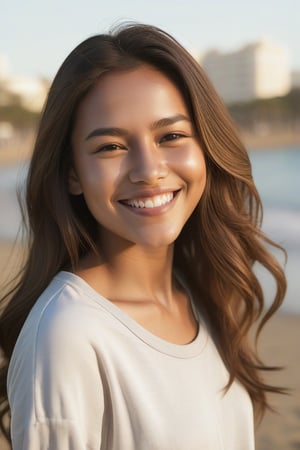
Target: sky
[{"x": 37, "y": 35}]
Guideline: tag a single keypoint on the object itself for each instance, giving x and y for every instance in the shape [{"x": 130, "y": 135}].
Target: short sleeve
[{"x": 49, "y": 435}]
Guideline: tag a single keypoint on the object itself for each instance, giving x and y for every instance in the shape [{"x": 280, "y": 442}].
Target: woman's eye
[
  {"x": 109, "y": 148},
  {"x": 172, "y": 137}
]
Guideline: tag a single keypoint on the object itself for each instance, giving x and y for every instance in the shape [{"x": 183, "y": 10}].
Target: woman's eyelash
[
  {"x": 172, "y": 137},
  {"x": 109, "y": 148},
  {"x": 112, "y": 147}
]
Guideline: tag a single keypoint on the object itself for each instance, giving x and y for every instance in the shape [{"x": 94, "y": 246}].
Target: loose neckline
[{"x": 189, "y": 350}]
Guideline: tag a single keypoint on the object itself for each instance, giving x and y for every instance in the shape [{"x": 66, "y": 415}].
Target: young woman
[{"x": 128, "y": 328}]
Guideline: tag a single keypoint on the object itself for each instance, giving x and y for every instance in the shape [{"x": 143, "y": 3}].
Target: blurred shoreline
[
  {"x": 21, "y": 150},
  {"x": 271, "y": 140},
  {"x": 16, "y": 152}
]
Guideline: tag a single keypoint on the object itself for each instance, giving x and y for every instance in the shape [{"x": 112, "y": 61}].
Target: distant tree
[
  {"x": 277, "y": 111},
  {"x": 18, "y": 116}
]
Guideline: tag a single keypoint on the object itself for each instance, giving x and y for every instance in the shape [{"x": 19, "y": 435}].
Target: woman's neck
[{"x": 131, "y": 271}]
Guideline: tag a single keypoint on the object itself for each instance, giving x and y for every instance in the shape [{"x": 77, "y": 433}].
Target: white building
[
  {"x": 31, "y": 92},
  {"x": 28, "y": 91},
  {"x": 4, "y": 68},
  {"x": 259, "y": 70}
]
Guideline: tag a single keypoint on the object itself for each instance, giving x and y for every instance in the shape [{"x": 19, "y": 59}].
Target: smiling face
[{"x": 136, "y": 158}]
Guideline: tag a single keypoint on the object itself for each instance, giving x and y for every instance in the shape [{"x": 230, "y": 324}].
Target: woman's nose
[{"x": 148, "y": 165}]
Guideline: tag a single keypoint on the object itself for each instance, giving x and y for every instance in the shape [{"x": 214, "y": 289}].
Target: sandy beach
[{"x": 279, "y": 345}]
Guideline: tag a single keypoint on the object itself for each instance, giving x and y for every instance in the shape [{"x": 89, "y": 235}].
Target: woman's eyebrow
[
  {"x": 109, "y": 131},
  {"x": 115, "y": 131},
  {"x": 164, "y": 122}
]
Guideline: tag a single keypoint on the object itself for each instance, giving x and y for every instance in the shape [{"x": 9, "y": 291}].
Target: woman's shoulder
[
  {"x": 65, "y": 299},
  {"x": 65, "y": 313},
  {"x": 66, "y": 330}
]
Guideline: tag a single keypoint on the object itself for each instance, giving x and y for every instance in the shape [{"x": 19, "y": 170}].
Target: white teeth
[
  {"x": 154, "y": 202},
  {"x": 157, "y": 201},
  {"x": 149, "y": 204}
]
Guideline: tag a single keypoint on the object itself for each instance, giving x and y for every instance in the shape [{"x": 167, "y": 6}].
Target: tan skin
[{"x": 141, "y": 175}]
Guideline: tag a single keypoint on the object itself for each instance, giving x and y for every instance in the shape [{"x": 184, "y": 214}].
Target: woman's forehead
[{"x": 122, "y": 98}]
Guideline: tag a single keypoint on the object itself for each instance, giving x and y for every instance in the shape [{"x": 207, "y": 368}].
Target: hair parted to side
[{"x": 219, "y": 244}]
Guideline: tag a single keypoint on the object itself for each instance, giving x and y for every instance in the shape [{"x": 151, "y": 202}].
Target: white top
[{"x": 84, "y": 375}]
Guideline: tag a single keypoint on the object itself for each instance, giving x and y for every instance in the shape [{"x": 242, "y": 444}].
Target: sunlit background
[{"x": 250, "y": 51}]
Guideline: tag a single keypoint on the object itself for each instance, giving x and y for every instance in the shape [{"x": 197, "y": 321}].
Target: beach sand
[{"x": 279, "y": 346}]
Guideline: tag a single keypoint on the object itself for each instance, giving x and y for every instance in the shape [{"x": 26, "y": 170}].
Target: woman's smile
[{"x": 151, "y": 205}]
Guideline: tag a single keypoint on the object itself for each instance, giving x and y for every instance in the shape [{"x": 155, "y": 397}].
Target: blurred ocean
[{"x": 277, "y": 175}]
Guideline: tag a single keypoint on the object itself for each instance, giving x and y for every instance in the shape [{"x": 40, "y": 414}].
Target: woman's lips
[
  {"x": 150, "y": 202},
  {"x": 151, "y": 205}
]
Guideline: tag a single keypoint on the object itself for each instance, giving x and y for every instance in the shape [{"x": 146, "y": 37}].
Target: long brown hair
[{"x": 219, "y": 244}]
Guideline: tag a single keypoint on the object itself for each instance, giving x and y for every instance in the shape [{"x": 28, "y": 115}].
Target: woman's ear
[{"x": 74, "y": 183}]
